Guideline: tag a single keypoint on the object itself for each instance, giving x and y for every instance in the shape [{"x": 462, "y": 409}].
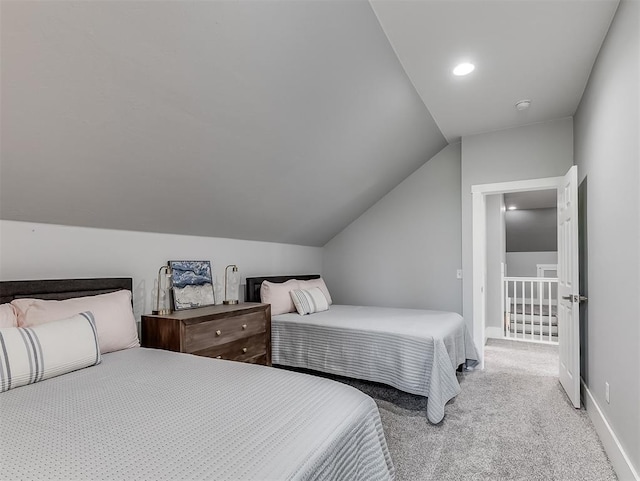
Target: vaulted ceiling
[{"x": 277, "y": 121}]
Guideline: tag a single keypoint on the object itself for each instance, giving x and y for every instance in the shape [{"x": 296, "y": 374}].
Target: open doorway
[
  {"x": 522, "y": 258},
  {"x": 569, "y": 297}
]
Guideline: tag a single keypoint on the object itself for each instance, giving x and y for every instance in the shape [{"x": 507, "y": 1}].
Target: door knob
[{"x": 575, "y": 298}]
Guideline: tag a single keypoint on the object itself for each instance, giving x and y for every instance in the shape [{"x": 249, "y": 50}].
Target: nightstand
[{"x": 239, "y": 332}]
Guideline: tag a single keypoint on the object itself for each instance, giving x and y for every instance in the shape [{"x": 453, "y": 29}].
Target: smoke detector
[{"x": 523, "y": 105}]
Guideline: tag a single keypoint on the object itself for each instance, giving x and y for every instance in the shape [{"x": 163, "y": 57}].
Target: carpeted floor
[{"x": 512, "y": 421}]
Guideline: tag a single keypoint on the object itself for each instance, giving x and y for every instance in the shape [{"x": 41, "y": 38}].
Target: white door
[{"x": 568, "y": 295}]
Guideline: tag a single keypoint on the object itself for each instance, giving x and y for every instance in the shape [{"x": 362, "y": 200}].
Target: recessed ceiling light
[
  {"x": 463, "y": 69},
  {"x": 523, "y": 104},
  {"x": 512, "y": 207}
]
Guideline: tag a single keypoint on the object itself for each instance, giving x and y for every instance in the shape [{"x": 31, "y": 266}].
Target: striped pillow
[
  {"x": 316, "y": 283},
  {"x": 308, "y": 301},
  {"x": 32, "y": 354}
]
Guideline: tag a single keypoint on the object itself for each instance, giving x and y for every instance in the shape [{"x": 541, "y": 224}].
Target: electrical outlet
[
  {"x": 459, "y": 274},
  {"x": 606, "y": 392}
]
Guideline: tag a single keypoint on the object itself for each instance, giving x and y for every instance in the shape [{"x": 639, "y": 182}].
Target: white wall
[
  {"x": 496, "y": 254},
  {"x": 405, "y": 250},
  {"x": 530, "y": 152},
  {"x": 45, "y": 251},
  {"x": 607, "y": 149},
  {"x": 523, "y": 264}
]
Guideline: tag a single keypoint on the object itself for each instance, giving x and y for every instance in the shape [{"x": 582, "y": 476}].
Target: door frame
[{"x": 479, "y": 238}]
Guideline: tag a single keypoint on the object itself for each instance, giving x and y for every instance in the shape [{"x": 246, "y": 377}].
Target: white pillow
[
  {"x": 112, "y": 312},
  {"x": 277, "y": 294},
  {"x": 309, "y": 301},
  {"x": 317, "y": 283},
  {"x": 32, "y": 354}
]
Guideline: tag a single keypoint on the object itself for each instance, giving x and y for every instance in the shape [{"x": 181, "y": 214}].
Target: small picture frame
[{"x": 192, "y": 284}]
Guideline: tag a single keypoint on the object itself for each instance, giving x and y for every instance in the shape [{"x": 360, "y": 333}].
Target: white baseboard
[
  {"x": 618, "y": 457},
  {"x": 493, "y": 332}
]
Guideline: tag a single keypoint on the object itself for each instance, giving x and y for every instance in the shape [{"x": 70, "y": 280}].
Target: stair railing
[{"x": 531, "y": 309}]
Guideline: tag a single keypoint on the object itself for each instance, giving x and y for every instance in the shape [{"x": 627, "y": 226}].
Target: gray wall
[
  {"x": 524, "y": 264},
  {"x": 532, "y": 230},
  {"x": 607, "y": 153},
  {"x": 495, "y": 256},
  {"x": 530, "y": 152},
  {"x": 404, "y": 251}
]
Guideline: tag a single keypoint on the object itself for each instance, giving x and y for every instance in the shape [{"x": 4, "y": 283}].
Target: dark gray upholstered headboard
[
  {"x": 58, "y": 289},
  {"x": 252, "y": 287}
]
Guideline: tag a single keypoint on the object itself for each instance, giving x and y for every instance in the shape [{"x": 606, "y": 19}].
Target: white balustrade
[{"x": 531, "y": 309}]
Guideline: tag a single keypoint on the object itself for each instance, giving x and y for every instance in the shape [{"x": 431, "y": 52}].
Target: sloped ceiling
[
  {"x": 270, "y": 120},
  {"x": 275, "y": 121}
]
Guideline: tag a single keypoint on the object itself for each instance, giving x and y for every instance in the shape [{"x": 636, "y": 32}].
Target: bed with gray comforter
[
  {"x": 147, "y": 414},
  {"x": 414, "y": 350}
]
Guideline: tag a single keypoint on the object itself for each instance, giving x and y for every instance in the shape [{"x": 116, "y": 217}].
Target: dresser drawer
[
  {"x": 209, "y": 334},
  {"x": 244, "y": 349}
]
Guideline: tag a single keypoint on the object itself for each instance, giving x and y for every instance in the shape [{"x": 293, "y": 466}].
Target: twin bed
[
  {"x": 414, "y": 350},
  {"x": 151, "y": 414}
]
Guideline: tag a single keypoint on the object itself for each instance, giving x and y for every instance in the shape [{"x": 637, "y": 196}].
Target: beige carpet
[{"x": 512, "y": 421}]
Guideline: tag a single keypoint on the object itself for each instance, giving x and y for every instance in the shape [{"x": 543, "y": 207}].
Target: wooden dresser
[{"x": 240, "y": 332}]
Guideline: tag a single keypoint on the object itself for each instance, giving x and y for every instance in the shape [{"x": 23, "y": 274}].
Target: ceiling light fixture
[
  {"x": 463, "y": 69},
  {"x": 512, "y": 207},
  {"x": 523, "y": 104}
]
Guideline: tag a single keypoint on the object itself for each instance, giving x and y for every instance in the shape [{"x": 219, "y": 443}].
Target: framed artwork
[{"x": 192, "y": 284}]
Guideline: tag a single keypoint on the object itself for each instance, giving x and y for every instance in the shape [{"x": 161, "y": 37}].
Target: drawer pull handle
[
  {"x": 218, "y": 332},
  {"x": 244, "y": 349},
  {"x": 244, "y": 326}
]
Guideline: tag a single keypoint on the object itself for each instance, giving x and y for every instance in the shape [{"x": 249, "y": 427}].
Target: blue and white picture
[{"x": 192, "y": 284}]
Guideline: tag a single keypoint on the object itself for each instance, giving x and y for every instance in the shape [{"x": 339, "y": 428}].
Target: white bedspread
[
  {"x": 147, "y": 414},
  {"x": 414, "y": 350}
]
